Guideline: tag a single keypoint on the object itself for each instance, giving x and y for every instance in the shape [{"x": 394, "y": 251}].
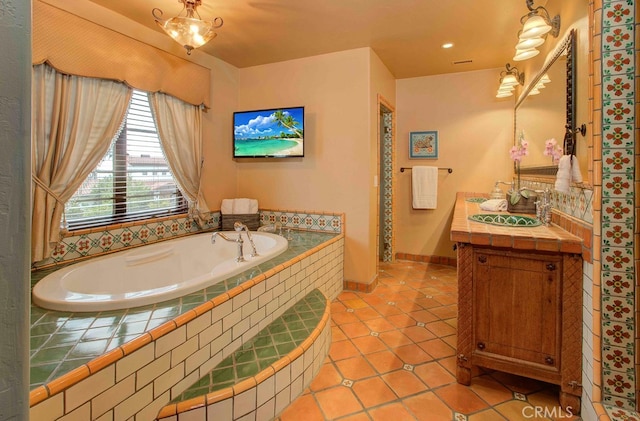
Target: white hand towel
[
  {"x": 576, "y": 175},
  {"x": 494, "y": 205},
  {"x": 227, "y": 206},
  {"x": 241, "y": 206},
  {"x": 424, "y": 187},
  {"x": 563, "y": 176}
]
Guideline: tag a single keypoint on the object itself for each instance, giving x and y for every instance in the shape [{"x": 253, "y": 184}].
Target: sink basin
[
  {"x": 505, "y": 220},
  {"x": 476, "y": 199}
]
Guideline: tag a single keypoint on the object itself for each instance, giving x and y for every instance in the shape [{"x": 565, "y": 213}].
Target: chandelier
[{"x": 190, "y": 30}]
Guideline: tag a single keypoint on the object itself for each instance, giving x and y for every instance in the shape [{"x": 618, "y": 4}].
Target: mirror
[{"x": 549, "y": 114}]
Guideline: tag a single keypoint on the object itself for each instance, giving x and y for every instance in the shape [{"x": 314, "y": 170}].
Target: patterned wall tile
[
  {"x": 617, "y": 13},
  {"x": 618, "y": 111},
  {"x": 618, "y": 161},
  {"x": 618, "y": 309},
  {"x": 617, "y": 359},
  {"x": 617, "y": 136},
  {"x": 615, "y": 334},
  {"x": 618, "y": 204},
  {"x": 387, "y": 187},
  {"x": 618, "y": 235},
  {"x": 617, "y": 210},
  {"x": 618, "y": 86},
  {"x": 618, "y": 384},
  {"x": 617, "y": 62},
  {"x": 95, "y": 243},
  {"x": 618, "y": 284},
  {"x": 617, "y": 413}
]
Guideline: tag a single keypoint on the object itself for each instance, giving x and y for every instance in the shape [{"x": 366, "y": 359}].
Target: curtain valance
[{"x": 76, "y": 46}]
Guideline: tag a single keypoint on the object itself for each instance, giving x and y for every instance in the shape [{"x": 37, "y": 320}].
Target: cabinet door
[{"x": 517, "y": 303}]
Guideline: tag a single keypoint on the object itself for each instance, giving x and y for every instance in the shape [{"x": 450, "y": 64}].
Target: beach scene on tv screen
[{"x": 278, "y": 132}]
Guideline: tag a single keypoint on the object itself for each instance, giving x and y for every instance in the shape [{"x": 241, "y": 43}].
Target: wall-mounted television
[{"x": 271, "y": 133}]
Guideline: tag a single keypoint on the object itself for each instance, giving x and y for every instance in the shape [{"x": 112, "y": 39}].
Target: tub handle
[{"x": 148, "y": 257}]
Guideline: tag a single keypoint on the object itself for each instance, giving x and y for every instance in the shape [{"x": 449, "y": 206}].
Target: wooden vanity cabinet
[{"x": 520, "y": 312}]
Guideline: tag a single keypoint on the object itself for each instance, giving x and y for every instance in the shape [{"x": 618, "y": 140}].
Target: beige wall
[
  {"x": 475, "y": 132},
  {"x": 336, "y": 173}
]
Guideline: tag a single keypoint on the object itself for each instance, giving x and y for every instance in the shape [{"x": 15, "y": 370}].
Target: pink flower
[
  {"x": 551, "y": 149},
  {"x": 515, "y": 153}
]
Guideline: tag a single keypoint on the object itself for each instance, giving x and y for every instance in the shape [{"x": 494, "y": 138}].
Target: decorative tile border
[
  {"x": 327, "y": 222},
  {"x": 94, "y": 242},
  {"x": 386, "y": 185},
  {"x": 577, "y": 204},
  {"x": 617, "y": 205}
]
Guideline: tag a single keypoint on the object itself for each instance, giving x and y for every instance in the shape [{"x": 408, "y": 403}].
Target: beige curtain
[
  {"x": 73, "y": 123},
  {"x": 180, "y": 130}
]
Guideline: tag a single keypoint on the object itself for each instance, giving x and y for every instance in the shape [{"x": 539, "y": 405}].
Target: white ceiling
[{"x": 406, "y": 34}]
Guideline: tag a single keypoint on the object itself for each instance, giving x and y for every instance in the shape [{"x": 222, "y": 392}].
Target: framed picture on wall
[{"x": 423, "y": 145}]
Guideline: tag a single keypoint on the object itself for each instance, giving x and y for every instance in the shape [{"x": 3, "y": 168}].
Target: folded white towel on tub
[
  {"x": 241, "y": 206},
  {"x": 226, "y": 208},
  {"x": 494, "y": 205},
  {"x": 244, "y": 206}
]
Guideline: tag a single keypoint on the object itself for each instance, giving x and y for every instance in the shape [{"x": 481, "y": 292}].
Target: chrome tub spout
[
  {"x": 239, "y": 241},
  {"x": 239, "y": 226}
]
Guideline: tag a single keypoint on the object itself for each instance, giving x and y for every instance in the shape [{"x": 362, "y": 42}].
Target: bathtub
[{"x": 152, "y": 273}]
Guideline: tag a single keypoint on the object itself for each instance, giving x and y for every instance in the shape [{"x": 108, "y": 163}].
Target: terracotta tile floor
[{"x": 393, "y": 358}]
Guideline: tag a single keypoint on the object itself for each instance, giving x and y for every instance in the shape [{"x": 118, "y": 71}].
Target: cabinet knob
[
  {"x": 482, "y": 259},
  {"x": 481, "y": 345},
  {"x": 549, "y": 360},
  {"x": 551, "y": 266}
]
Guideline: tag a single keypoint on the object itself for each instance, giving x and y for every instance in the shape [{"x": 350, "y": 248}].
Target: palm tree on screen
[{"x": 286, "y": 120}]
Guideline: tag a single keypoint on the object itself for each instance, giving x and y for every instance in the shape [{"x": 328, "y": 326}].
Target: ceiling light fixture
[
  {"x": 509, "y": 79},
  {"x": 447, "y": 45},
  {"x": 189, "y": 31},
  {"x": 535, "y": 26}
]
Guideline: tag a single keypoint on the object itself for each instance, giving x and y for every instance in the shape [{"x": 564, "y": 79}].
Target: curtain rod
[{"x": 449, "y": 170}]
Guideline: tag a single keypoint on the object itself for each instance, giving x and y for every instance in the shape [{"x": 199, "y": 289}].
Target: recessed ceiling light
[{"x": 447, "y": 45}]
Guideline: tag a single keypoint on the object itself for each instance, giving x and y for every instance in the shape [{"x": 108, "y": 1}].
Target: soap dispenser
[{"x": 497, "y": 192}]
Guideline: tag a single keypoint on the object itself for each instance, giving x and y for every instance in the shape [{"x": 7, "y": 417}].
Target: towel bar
[{"x": 449, "y": 170}]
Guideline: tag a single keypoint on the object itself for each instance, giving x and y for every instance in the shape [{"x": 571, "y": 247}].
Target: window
[{"x": 132, "y": 182}]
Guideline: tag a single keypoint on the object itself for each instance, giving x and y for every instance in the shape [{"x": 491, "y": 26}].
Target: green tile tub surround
[
  {"x": 272, "y": 343},
  {"x": 61, "y": 341}
]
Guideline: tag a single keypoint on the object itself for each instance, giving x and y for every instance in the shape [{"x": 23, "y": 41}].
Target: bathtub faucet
[
  {"x": 239, "y": 241},
  {"x": 239, "y": 226}
]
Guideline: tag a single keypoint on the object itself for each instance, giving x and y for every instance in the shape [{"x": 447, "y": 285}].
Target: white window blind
[{"x": 133, "y": 181}]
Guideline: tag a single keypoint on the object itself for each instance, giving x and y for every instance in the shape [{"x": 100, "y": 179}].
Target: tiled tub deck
[{"x": 119, "y": 365}]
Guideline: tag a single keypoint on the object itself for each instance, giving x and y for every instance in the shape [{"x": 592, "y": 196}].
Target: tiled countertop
[{"x": 550, "y": 238}]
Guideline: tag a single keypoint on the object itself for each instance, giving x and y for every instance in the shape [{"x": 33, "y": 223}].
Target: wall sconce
[
  {"x": 189, "y": 31},
  {"x": 509, "y": 79},
  {"x": 536, "y": 25},
  {"x": 542, "y": 83}
]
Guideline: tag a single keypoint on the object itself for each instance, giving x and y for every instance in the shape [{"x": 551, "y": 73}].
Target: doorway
[{"x": 386, "y": 164}]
